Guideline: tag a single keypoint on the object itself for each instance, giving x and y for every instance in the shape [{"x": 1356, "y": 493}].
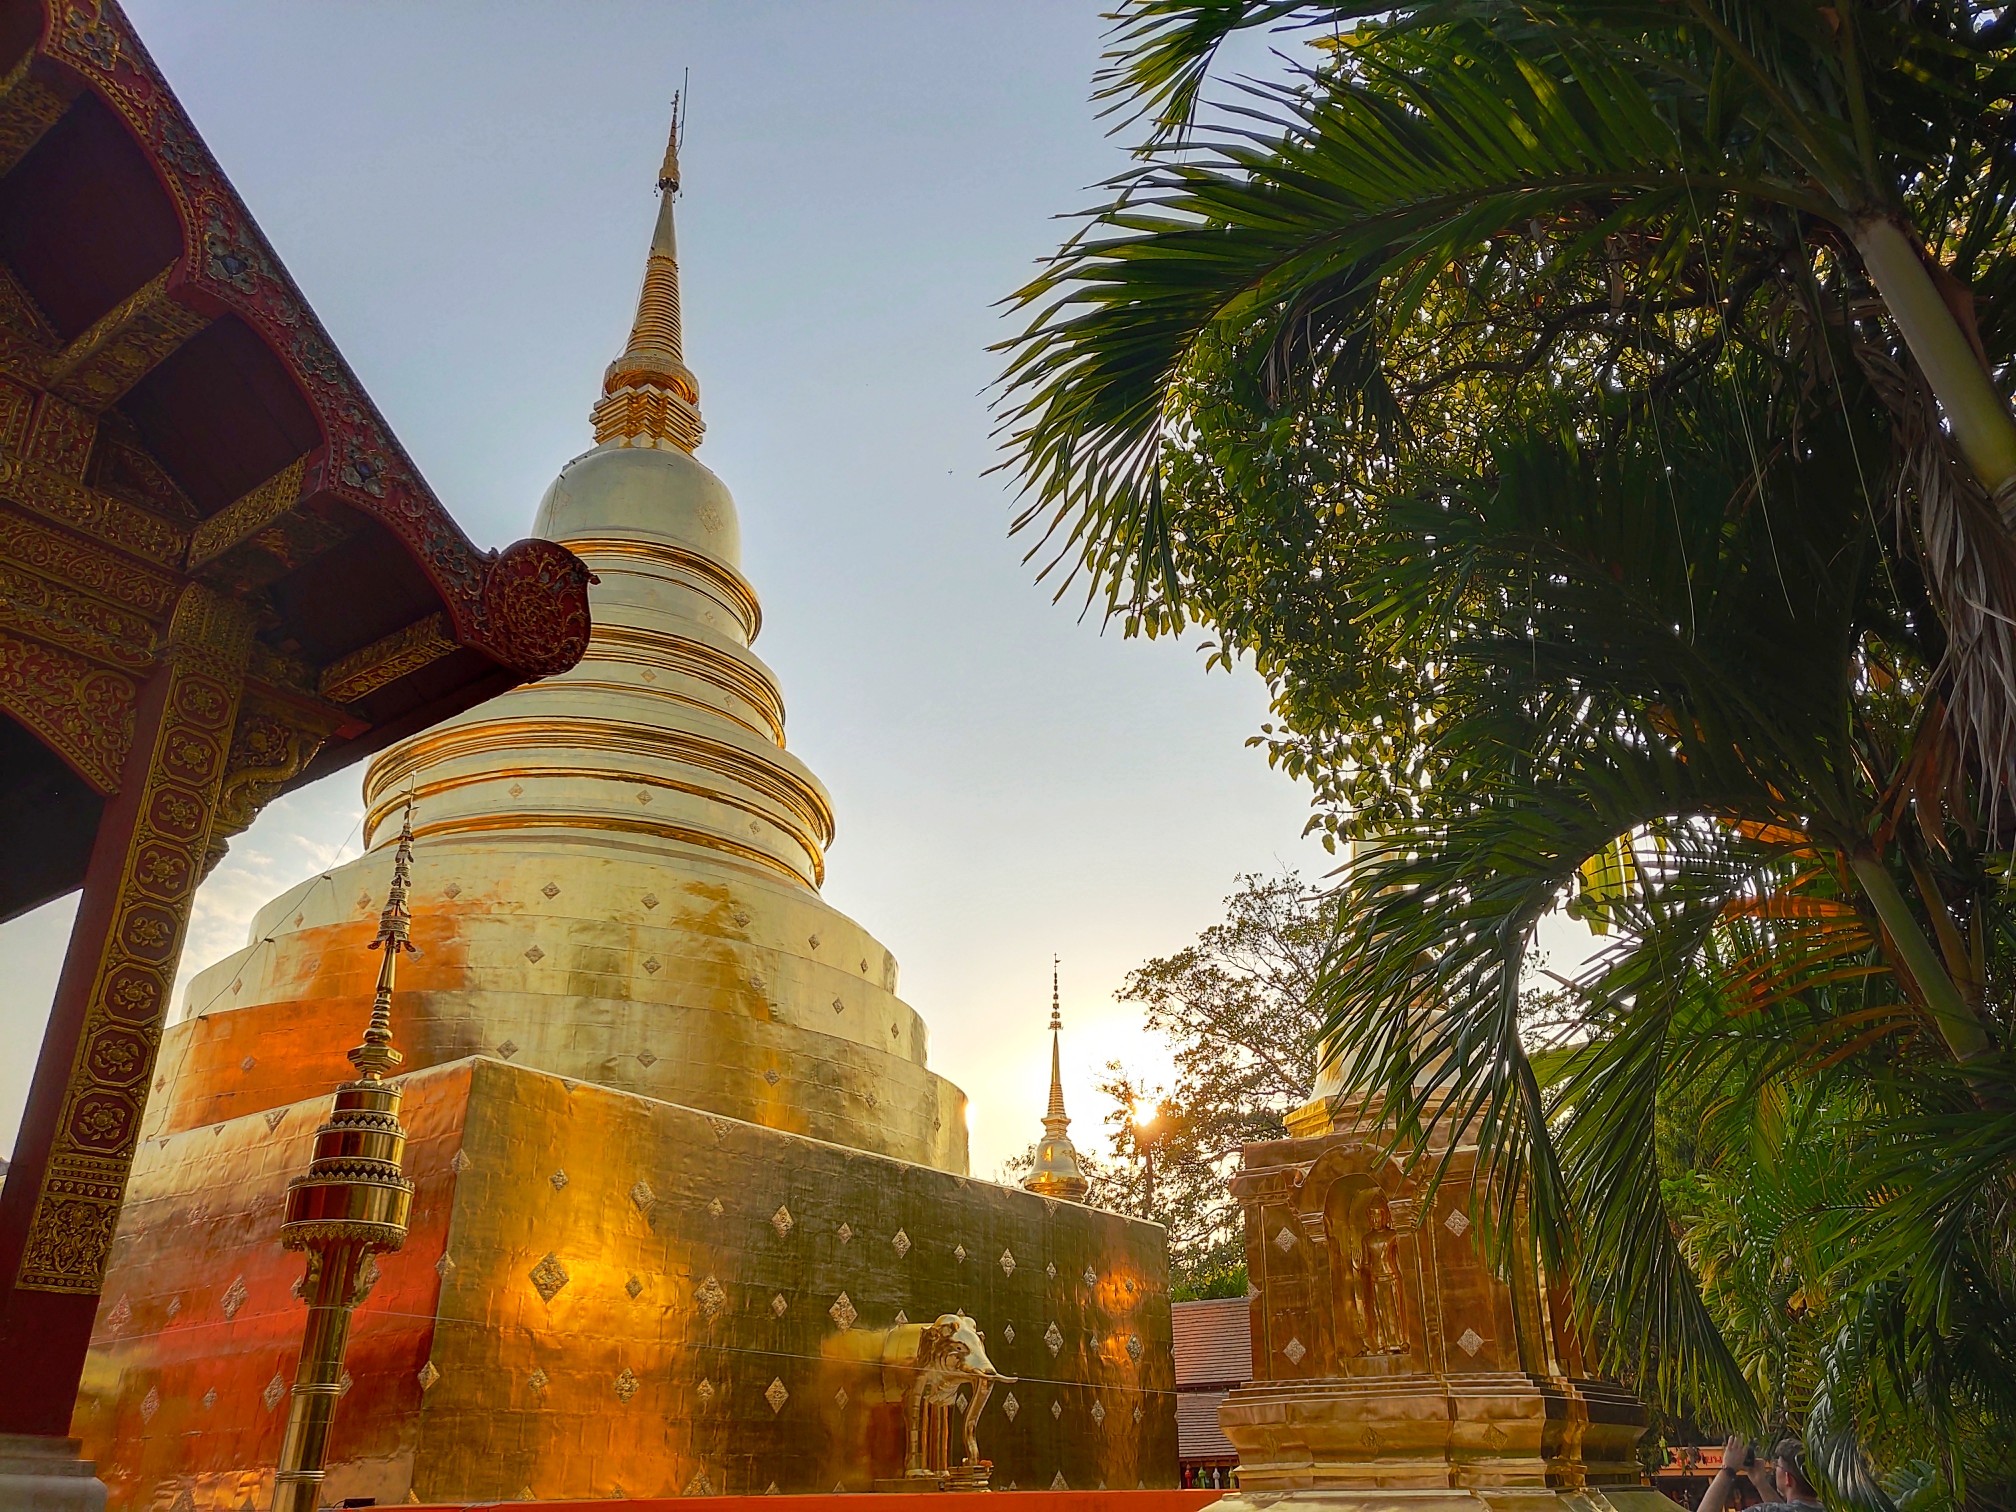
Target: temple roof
[
  {"x": 1214, "y": 1342},
  {"x": 172, "y": 411}
]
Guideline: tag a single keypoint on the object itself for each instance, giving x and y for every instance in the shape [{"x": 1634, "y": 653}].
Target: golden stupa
[
  {"x": 619, "y": 866},
  {"x": 1056, "y": 1170},
  {"x": 680, "y": 1166}
]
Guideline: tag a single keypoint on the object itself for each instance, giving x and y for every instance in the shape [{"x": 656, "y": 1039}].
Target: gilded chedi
[
  {"x": 690, "y": 1212},
  {"x": 618, "y": 868},
  {"x": 1056, "y": 1170}
]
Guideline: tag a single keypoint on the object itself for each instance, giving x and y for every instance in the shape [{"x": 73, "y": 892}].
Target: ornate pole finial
[
  {"x": 668, "y": 171},
  {"x": 649, "y": 396},
  {"x": 375, "y": 1056},
  {"x": 1057, "y": 1171},
  {"x": 353, "y": 1202}
]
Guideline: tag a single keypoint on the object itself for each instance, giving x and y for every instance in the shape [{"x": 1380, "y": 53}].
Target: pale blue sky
[{"x": 464, "y": 193}]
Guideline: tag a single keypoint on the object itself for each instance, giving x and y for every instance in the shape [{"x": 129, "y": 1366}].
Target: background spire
[
  {"x": 1057, "y": 1170},
  {"x": 649, "y": 396},
  {"x": 1054, "y": 1120}
]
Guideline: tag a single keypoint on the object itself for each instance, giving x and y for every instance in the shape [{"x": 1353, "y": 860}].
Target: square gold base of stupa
[{"x": 604, "y": 1295}]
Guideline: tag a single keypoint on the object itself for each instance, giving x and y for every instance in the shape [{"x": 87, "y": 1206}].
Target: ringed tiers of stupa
[
  {"x": 616, "y": 870},
  {"x": 683, "y": 1180}
]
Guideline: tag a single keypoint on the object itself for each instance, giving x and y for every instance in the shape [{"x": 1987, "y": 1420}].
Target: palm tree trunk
[
  {"x": 1959, "y": 1026},
  {"x": 1982, "y": 425}
]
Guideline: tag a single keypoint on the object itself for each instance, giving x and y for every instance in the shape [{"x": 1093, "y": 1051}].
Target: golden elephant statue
[{"x": 923, "y": 1368}]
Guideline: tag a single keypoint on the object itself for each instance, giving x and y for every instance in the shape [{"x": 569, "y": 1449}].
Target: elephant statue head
[{"x": 951, "y": 1358}]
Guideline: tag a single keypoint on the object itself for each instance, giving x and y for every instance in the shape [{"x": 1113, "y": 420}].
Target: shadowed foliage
[{"x": 1533, "y": 393}]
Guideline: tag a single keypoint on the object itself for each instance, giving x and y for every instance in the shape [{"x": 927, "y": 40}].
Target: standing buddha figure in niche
[
  {"x": 1364, "y": 1269},
  {"x": 1379, "y": 1279}
]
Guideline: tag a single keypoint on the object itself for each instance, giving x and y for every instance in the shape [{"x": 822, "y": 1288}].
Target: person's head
[{"x": 1792, "y": 1477}]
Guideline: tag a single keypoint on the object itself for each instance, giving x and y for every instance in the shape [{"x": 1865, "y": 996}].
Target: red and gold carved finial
[{"x": 649, "y": 396}]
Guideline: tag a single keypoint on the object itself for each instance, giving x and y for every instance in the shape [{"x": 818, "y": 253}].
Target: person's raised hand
[
  {"x": 1764, "y": 1476},
  {"x": 1722, "y": 1488}
]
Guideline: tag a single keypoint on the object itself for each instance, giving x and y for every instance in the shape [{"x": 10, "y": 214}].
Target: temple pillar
[{"x": 71, "y": 1158}]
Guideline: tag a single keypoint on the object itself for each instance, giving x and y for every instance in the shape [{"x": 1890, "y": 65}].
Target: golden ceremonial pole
[{"x": 353, "y": 1202}]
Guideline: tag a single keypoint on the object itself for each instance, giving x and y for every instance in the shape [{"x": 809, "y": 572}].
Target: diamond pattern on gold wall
[{"x": 661, "y": 1307}]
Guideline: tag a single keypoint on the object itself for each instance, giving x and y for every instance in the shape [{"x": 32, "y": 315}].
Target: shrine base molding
[
  {"x": 47, "y": 1475},
  {"x": 1451, "y": 1499}
]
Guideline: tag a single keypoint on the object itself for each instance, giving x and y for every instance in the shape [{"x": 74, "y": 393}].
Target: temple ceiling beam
[
  {"x": 28, "y": 108},
  {"x": 111, "y": 576},
  {"x": 32, "y": 604},
  {"x": 245, "y": 518},
  {"x": 124, "y": 345},
  {"x": 56, "y": 496},
  {"x": 102, "y": 364},
  {"x": 386, "y": 660}
]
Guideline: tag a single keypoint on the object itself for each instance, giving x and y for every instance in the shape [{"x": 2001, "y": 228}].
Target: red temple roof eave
[{"x": 525, "y": 608}]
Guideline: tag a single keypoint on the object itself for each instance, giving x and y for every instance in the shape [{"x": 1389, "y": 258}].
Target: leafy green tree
[
  {"x": 1239, "y": 1009},
  {"x": 1543, "y": 396},
  {"x": 1225, "y": 1281},
  {"x": 1618, "y": 651},
  {"x": 1465, "y": 203}
]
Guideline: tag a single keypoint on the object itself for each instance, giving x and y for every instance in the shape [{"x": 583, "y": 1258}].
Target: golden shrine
[
  {"x": 1390, "y": 1361},
  {"x": 691, "y": 1213},
  {"x": 220, "y": 577},
  {"x": 1055, "y": 1170}
]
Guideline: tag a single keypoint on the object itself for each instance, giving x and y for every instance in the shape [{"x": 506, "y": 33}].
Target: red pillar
[{"x": 71, "y": 1160}]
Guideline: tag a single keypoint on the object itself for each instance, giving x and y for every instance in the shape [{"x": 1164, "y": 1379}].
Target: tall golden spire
[
  {"x": 649, "y": 396},
  {"x": 1054, "y": 1120},
  {"x": 1057, "y": 1171}
]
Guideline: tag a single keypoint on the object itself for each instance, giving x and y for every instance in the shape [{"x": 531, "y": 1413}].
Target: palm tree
[
  {"x": 1648, "y": 643},
  {"x": 1580, "y": 191},
  {"x": 1537, "y": 393},
  {"x": 1738, "y": 714}
]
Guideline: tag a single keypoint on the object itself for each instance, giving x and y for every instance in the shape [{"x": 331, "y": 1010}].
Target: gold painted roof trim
[{"x": 649, "y": 396}]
